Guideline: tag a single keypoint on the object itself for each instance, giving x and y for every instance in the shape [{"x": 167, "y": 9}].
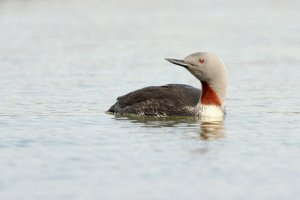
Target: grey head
[{"x": 208, "y": 69}]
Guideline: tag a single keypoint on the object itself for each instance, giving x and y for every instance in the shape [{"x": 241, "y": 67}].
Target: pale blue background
[{"x": 63, "y": 63}]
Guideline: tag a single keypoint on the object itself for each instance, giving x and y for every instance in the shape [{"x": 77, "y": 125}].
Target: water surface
[{"x": 63, "y": 63}]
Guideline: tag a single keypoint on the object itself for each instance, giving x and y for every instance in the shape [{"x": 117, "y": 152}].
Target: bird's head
[{"x": 208, "y": 69}]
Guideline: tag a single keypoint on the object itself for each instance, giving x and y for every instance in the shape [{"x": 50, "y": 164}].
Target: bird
[{"x": 181, "y": 99}]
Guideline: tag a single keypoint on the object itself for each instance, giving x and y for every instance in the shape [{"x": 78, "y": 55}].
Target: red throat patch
[{"x": 209, "y": 96}]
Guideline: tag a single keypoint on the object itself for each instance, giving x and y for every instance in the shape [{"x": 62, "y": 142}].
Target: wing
[{"x": 172, "y": 99}]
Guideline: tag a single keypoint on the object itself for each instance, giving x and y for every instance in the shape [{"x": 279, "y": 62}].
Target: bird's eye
[{"x": 201, "y": 60}]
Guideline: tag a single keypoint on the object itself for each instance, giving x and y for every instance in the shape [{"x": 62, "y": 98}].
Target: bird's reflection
[{"x": 210, "y": 128}]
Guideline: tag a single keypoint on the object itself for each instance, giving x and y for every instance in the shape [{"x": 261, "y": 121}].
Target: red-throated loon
[{"x": 179, "y": 99}]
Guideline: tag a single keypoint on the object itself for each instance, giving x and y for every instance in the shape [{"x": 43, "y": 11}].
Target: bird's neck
[
  {"x": 209, "y": 96},
  {"x": 210, "y": 104}
]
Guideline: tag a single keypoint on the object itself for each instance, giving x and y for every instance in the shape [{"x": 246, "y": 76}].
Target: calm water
[{"x": 63, "y": 63}]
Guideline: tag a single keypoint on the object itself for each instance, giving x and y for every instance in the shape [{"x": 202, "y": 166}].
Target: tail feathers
[{"x": 113, "y": 108}]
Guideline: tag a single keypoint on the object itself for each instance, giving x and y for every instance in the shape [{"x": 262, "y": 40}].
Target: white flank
[{"x": 209, "y": 111}]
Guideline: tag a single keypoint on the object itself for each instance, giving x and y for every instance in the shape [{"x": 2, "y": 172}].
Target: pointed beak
[{"x": 178, "y": 62}]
